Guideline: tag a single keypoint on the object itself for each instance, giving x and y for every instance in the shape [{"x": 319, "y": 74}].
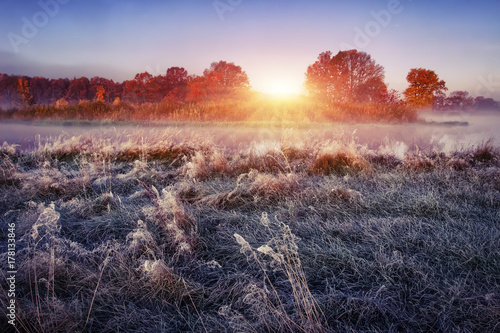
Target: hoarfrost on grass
[{"x": 47, "y": 223}]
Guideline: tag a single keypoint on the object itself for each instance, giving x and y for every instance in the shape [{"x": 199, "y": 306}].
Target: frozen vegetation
[{"x": 300, "y": 234}]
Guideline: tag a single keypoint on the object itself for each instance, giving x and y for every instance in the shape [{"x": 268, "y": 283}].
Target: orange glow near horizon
[
  {"x": 279, "y": 84},
  {"x": 279, "y": 88}
]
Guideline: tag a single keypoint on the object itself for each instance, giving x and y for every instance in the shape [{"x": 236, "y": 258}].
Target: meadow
[{"x": 215, "y": 229}]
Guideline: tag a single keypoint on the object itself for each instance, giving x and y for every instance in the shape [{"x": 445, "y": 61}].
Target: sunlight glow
[{"x": 280, "y": 87}]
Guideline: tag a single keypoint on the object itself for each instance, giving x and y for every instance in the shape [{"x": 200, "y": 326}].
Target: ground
[{"x": 299, "y": 233}]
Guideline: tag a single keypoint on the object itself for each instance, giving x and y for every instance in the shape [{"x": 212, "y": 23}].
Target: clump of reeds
[
  {"x": 254, "y": 187},
  {"x": 485, "y": 153},
  {"x": 338, "y": 159},
  {"x": 272, "y": 187},
  {"x": 419, "y": 162}
]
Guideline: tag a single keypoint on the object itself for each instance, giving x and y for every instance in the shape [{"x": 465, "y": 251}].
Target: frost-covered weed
[
  {"x": 140, "y": 241},
  {"x": 285, "y": 256},
  {"x": 197, "y": 168},
  {"x": 170, "y": 215},
  {"x": 47, "y": 223},
  {"x": 8, "y": 149}
]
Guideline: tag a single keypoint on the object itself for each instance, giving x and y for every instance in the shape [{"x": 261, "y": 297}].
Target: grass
[
  {"x": 299, "y": 235},
  {"x": 253, "y": 108}
]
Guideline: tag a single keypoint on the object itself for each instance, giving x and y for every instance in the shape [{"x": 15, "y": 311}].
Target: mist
[{"x": 444, "y": 132}]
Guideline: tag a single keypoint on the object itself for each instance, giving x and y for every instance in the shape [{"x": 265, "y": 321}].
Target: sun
[{"x": 280, "y": 88}]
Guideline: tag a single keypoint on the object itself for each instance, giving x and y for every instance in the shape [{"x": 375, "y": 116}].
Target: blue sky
[{"x": 273, "y": 41}]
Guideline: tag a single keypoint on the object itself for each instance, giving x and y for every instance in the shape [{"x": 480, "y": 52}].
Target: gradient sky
[{"x": 273, "y": 41}]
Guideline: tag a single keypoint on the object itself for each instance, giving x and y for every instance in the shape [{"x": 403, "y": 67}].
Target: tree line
[
  {"x": 221, "y": 80},
  {"x": 347, "y": 86}
]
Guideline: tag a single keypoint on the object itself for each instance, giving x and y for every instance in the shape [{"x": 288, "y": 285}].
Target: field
[{"x": 338, "y": 228}]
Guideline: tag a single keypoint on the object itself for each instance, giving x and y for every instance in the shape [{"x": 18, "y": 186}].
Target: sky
[{"x": 274, "y": 41}]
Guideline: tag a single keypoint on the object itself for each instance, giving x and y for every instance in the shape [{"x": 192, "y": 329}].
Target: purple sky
[{"x": 273, "y": 41}]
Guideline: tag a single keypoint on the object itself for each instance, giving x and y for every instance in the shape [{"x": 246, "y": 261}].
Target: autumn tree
[
  {"x": 196, "y": 89},
  {"x": 175, "y": 83},
  {"x": 225, "y": 78},
  {"x": 481, "y": 103},
  {"x": 40, "y": 88},
  {"x": 58, "y": 89},
  {"x": 100, "y": 92},
  {"x": 9, "y": 94},
  {"x": 349, "y": 76},
  {"x": 457, "y": 101},
  {"x": 139, "y": 89},
  {"x": 79, "y": 90},
  {"x": 112, "y": 89},
  {"x": 170, "y": 86},
  {"x": 424, "y": 87},
  {"x": 24, "y": 89}
]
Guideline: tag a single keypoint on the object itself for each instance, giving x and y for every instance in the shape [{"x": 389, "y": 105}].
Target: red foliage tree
[
  {"x": 58, "y": 89},
  {"x": 349, "y": 76},
  {"x": 40, "y": 88},
  {"x": 175, "y": 83},
  {"x": 140, "y": 89},
  {"x": 223, "y": 79},
  {"x": 78, "y": 90},
  {"x": 196, "y": 89},
  {"x": 9, "y": 95}
]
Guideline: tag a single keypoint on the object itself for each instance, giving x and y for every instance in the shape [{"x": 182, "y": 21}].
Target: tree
[
  {"x": 61, "y": 103},
  {"x": 58, "y": 89},
  {"x": 349, "y": 76},
  {"x": 424, "y": 88},
  {"x": 79, "y": 90},
  {"x": 196, "y": 89},
  {"x": 175, "y": 83},
  {"x": 40, "y": 88},
  {"x": 458, "y": 100},
  {"x": 224, "y": 78},
  {"x": 486, "y": 104},
  {"x": 112, "y": 89},
  {"x": 24, "y": 89},
  {"x": 9, "y": 94},
  {"x": 100, "y": 92},
  {"x": 321, "y": 77},
  {"x": 141, "y": 89}
]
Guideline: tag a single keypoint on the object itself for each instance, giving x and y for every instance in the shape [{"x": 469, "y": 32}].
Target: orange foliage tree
[
  {"x": 24, "y": 89},
  {"x": 100, "y": 92},
  {"x": 424, "y": 87}
]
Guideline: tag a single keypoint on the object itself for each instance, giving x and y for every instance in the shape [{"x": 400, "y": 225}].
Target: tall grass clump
[
  {"x": 338, "y": 159},
  {"x": 201, "y": 167},
  {"x": 280, "y": 255},
  {"x": 171, "y": 215}
]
